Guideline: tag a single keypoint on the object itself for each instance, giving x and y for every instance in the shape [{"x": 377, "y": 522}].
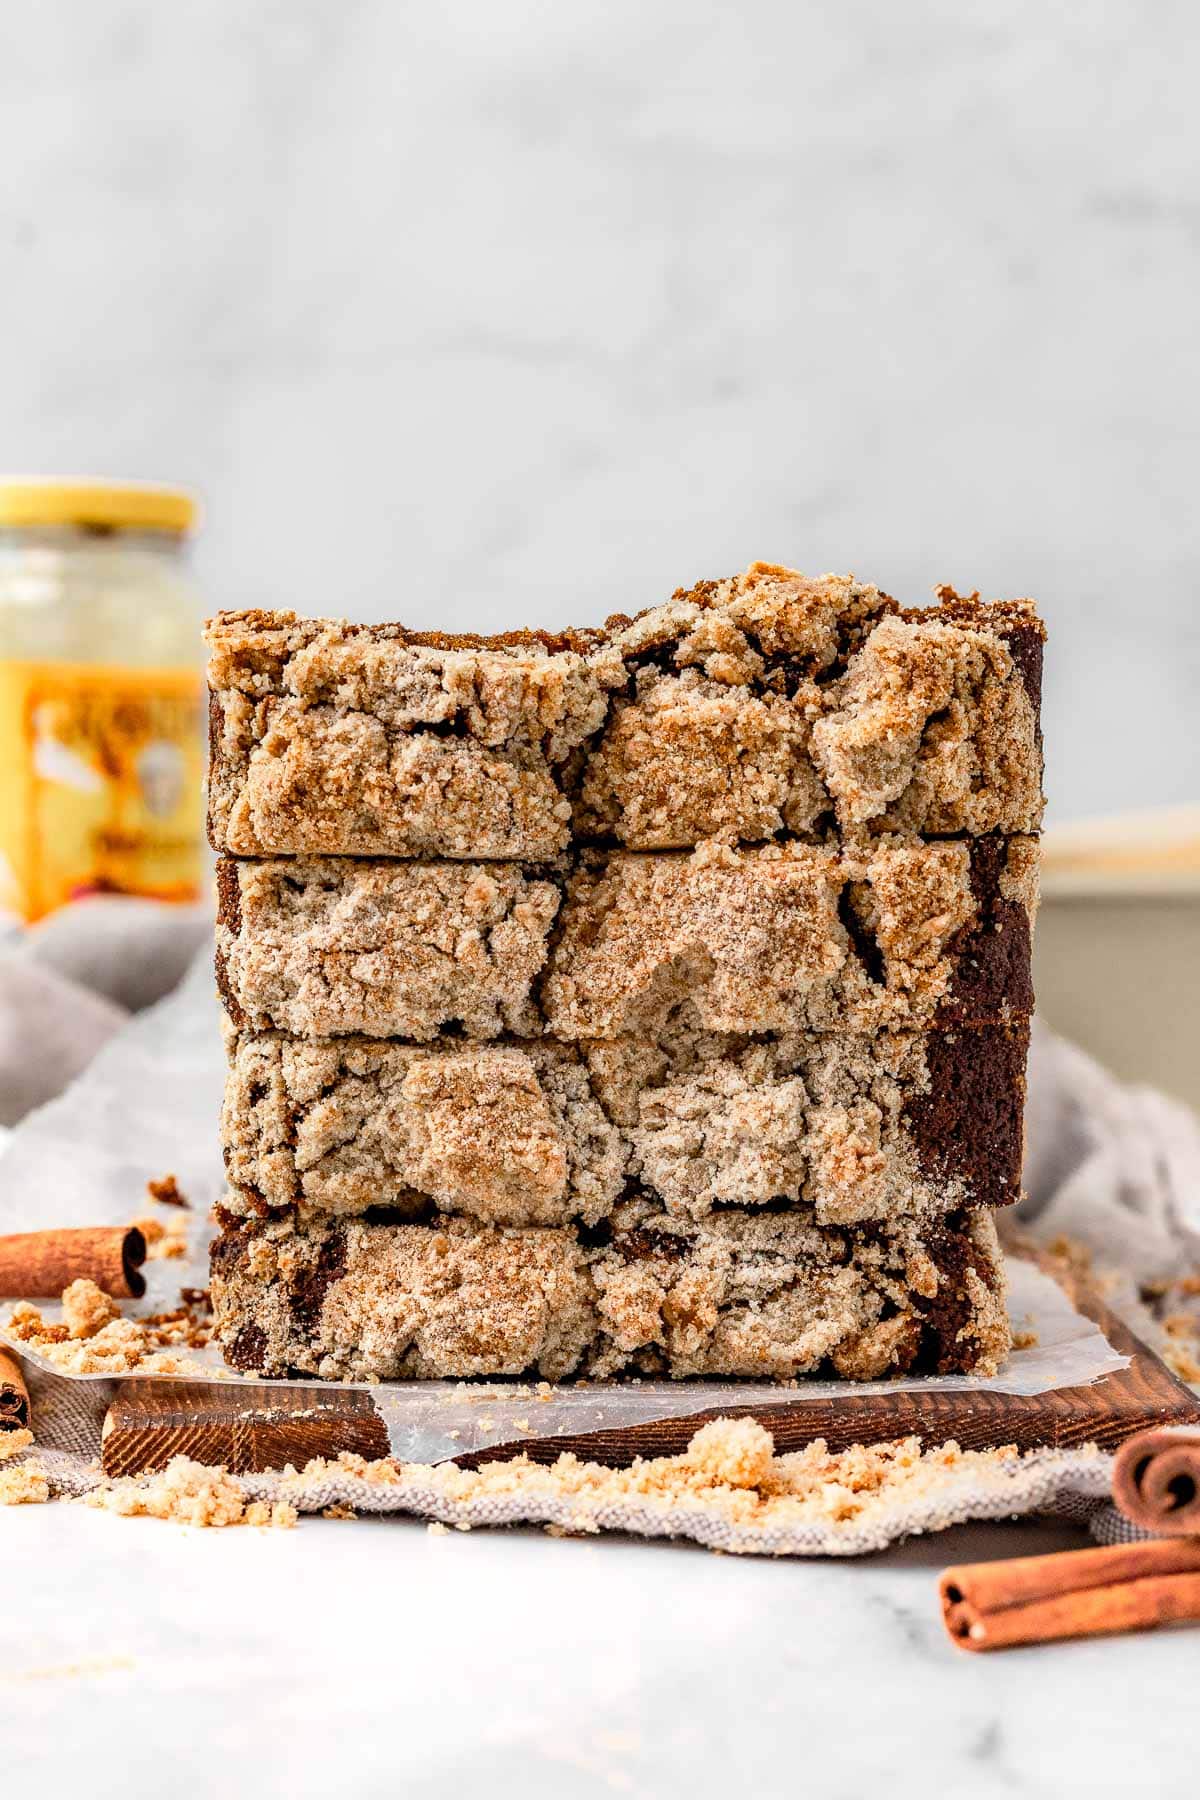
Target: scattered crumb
[
  {"x": 382, "y": 1473},
  {"x": 119, "y": 1346},
  {"x": 729, "y": 1471},
  {"x": 167, "y": 1191},
  {"x": 163, "y": 1242},
  {"x": 1025, "y": 1340},
  {"x": 1172, "y": 1304},
  {"x": 26, "y": 1323},
  {"x": 1183, "y": 1363},
  {"x": 13, "y": 1443},
  {"x": 198, "y": 1299},
  {"x": 1081, "y": 1264},
  {"x": 1181, "y": 1352},
  {"x": 23, "y": 1484},
  {"x": 190, "y": 1494},
  {"x": 86, "y": 1310},
  {"x": 730, "y": 1468},
  {"x": 733, "y": 1452}
]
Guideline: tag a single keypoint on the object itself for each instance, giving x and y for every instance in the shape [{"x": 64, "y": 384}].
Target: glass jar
[{"x": 101, "y": 690}]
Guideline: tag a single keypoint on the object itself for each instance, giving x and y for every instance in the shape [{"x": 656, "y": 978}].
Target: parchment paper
[{"x": 149, "y": 1105}]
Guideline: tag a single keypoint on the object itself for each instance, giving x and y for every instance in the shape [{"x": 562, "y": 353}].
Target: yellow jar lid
[{"x": 104, "y": 505}]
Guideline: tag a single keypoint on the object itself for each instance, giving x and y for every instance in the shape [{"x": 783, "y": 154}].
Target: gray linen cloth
[{"x": 72, "y": 981}]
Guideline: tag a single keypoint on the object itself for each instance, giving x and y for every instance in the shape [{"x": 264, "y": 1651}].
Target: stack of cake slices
[{"x": 651, "y": 1000}]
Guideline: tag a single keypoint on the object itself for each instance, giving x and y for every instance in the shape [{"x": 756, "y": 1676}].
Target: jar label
[{"x": 101, "y": 784}]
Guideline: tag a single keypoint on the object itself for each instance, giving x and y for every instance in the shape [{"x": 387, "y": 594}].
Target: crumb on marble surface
[
  {"x": 23, "y": 1484},
  {"x": 167, "y": 1191},
  {"x": 164, "y": 1242}
]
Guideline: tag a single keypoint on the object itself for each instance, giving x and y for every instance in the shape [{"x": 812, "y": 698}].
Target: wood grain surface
[
  {"x": 267, "y": 1426},
  {"x": 244, "y": 1427}
]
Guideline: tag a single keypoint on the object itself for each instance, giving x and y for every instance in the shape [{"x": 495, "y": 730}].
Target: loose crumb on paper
[
  {"x": 1173, "y": 1305},
  {"x": 94, "y": 1338},
  {"x": 87, "y": 1309}
]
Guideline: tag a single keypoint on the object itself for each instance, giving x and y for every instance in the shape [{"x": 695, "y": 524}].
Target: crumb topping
[{"x": 752, "y": 706}]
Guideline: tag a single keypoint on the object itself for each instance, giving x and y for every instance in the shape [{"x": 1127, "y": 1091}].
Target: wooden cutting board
[{"x": 251, "y": 1428}]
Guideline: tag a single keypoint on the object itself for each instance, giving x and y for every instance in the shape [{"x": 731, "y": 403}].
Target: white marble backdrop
[{"x": 499, "y": 311}]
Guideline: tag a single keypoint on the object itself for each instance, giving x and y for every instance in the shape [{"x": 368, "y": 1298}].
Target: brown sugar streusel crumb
[
  {"x": 164, "y": 1242},
  {"x": 190, "y": 1494},
  {"x": 23, "y": 1484},
  {"x": 730, "y": 1471},
  {"x": 167, "y": 1191},
  {"x": 117, "y": 1346},
  {"x": 87, "y": 1309},
  {"x": 730, "y": 1467},
  {"x": 1173, "y": 1304}
]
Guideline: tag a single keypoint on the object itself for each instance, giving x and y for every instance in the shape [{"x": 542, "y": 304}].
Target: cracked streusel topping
[{"x": 748, "y": 707}]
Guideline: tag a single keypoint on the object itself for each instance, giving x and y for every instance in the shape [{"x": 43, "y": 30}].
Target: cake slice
[
  {"x": 529, "y": 1133},
  {"x": 763, "y": 706},
  {"x": 770, "y": 1295},
  {"x": 373, "y": 740},
  {"x": 895, "y": 934},
  {"x": 327, "y": 945}
]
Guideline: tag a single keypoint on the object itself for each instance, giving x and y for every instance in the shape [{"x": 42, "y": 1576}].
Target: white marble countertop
[{"x": 374, "y": 1658}]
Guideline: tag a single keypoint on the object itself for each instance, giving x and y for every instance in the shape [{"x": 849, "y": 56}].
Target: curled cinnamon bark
[
  {"x": 1077, "y": 1593},
  {"x": 1156, "y": 1481},
  {"x": 14, "y": 1395},
  {"x": 38, "y": 1265}
]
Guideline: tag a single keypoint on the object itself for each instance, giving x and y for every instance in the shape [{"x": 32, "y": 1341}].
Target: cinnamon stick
[
  {"x": 1156, "y": 1481},
  {"x": 1076, "y": 1593},
  {"x": 14, "y": 1395},
  {"x": 38, "y": 1265}
]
